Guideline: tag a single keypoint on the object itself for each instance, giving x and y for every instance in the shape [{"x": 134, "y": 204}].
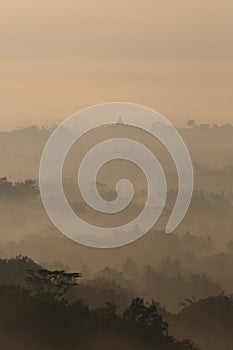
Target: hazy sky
[{"x": 60, "y": 56}]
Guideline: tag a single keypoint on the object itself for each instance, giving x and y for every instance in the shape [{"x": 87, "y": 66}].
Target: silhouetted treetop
[{"x": 53, "y": 283}]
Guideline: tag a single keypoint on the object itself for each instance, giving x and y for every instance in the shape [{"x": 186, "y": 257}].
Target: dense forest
[
  {"x": 47, "y": 309},
  {"x": 160, "y": 292}
]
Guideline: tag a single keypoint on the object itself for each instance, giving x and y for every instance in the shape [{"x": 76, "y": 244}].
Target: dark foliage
[
  {"x": 52, "y": 283},
  {"x": 29, "y": 322}
]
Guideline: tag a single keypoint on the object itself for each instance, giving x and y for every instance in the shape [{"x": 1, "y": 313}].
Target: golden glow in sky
[{"x": 57, "y": 57}]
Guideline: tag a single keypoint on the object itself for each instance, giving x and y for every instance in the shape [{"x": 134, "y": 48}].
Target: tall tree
[{"x": 53, "y": 283}]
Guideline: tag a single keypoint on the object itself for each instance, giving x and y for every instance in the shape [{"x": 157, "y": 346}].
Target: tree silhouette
[
  {"x": 144, "y": 316},
  {"x": 191, "y": 123},
  {"x": 52, "y": 283}
]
